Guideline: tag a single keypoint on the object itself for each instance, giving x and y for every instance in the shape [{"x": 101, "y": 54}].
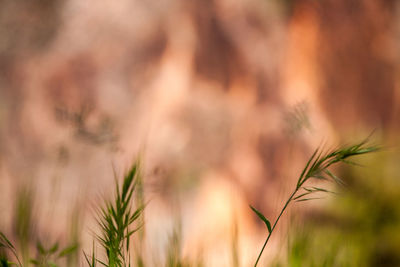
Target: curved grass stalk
[
  {"x": 317, "y": 168},
  {"x": 115, "y": 219}
]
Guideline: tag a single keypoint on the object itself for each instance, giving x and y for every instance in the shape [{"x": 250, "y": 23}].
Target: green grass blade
[
  {"x": 68, "y": 250},
  {"x": 262, "y": 217}
]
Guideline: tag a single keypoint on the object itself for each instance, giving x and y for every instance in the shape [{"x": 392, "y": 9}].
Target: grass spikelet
[
  {"x": 115, "y": 220},
  {"x": 317, "y": 167}
]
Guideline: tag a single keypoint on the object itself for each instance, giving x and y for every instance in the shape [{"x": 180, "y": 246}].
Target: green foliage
[
  {"x": 4, "y": 262},
  {"x": 316, "y": 168},
  {"x": 6, "y": 244},
  {"x": 174, "y": 258},
  {"x": 45, "y": 257},
  {"x": 359, "y": 228},
  {"x": 115, "y": 220},
  {"x": 262, "y": 217},
  {"x": 92, "y": 262},
  {"x": 49, "y": 257},
  {"x": 24, "y": 221}
]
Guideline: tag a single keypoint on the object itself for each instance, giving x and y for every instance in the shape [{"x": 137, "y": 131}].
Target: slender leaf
[
  {"x": 262, "y": 217},
  {"x": 68, "y": 250}
]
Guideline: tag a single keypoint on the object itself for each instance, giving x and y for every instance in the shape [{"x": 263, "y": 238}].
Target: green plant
[
  {"x": 115, "y": 220},
  {"x": 359, "y": 228},
  {"x": 45, "y": 257},
  {"x": 48, "y": 257},
  {"x": 117, "y": 216},
  {"x": 92, "y": 262},
  {"x": 24, "y": 221},
  {"x": 4, "y": 262},
  {"x": 317, "y": 167},
  {"x": 6, "y": 244}
]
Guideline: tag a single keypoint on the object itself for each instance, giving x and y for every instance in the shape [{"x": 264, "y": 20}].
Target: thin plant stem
[
  {"x": 275, "y": 223},
  {"x": 16, "y": 256},
  {"x": 316, "y": 168}
]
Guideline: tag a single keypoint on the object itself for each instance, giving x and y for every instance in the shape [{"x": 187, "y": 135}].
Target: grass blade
[{"x": 262, "y": 217}]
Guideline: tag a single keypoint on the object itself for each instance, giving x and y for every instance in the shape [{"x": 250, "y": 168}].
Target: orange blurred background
[{"x": 223, "y": 100}]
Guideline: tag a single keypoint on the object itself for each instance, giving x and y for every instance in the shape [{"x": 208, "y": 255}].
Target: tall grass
[
  {"x": 317, "y": 167},
  {"x": 6, "y": 244},
  {"x": 115, "y": 219},
  {"x": 120, "y": 217},
  {"x": 359, "y": 228},
  {"x": 46, "y": 257}
]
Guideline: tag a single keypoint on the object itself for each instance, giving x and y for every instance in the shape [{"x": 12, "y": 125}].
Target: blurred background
[{"x": 223, "y": 101}]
